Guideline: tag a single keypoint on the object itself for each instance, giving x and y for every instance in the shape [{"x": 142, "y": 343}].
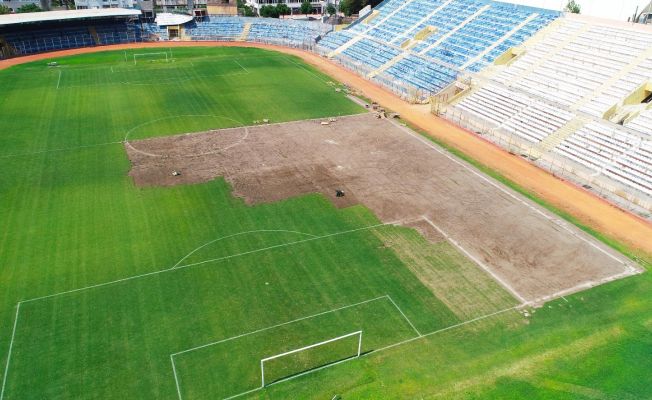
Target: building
[
  {"x": 294, "y": 5},
  {"x": 645, "y": 16},
  {"x": 92, "y": 4},
  {"x": 16, "y": 4}
]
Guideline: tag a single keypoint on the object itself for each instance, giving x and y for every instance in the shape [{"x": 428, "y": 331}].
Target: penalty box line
[
  {"x": 373, "y": 352},
  {"x": 570, "y": 229},
  {"x": 180, "y": 267},
  {"x": 387, "y": 297},
  {"x": 167, "y": 269}
]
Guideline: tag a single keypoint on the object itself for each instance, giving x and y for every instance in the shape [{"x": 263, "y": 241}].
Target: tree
[
  {"x": 330, "y": 9},
  {"x": 68, "y": 4},
  {"x": 306, "y": 7},
  {"x": 245, "y": 9},
  {"x": 4, "y": 9},
  {"x": 345, "y": 7},
  {"x": 268, "y": 11},
  {"x": 573, "y": 7},
  {"x": 283, "y": 9},
  {"x": 349, "y": 7},
  {"x": 28, "y": 8}
]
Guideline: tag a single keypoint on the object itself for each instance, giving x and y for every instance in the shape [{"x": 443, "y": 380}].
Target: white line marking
[
  {"x": 237, "y": 62},
  {"x": 312, "y": 371},
  {"x": 587, "y": 285},
  {"x": 176, "y": 379},
  {"x": 286, "y": 244},
  {"x": 558, "y": 222},
  {"x": 403, "y": 314},
  {"x": 243, "y": 393},
  {"x": 276, "y": 326},
  {"x": 477, "y": 261},
  {"x": 131, "y": 130},
  {"x": 373, "y": 352},
  {"x": 11, "y": 346},
  {"x": 59, "y": 80},
  {"x": 168, "y": 269},
  {"x": 325, "y": 81},
  {"x": 444, "y": 329},
  {"x": 238, "y": 234},
  {"x": 31, "y": 153}
]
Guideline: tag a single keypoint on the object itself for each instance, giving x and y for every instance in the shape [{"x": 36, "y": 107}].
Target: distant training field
[{"x": 111, "y": 289}]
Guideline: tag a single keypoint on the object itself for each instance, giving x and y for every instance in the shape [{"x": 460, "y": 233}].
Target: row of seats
[
  {"x": 516, "y": 113},
  {"x": 371, "y": 53},
  {"x": 259, "y": 29},
  {"x": 155, "y": 32},
  {"x": 228, "y": 28},
  {"x": 463, "y": 35},
  {"x": 616, "y": 153},
  {"x": 422, "y": 74},
  {"x": 588, "y": 66},
  {"x": 585, "y": 66},
  {"x": 642, "y": 123},
  {"x": 38, "y": 41}
]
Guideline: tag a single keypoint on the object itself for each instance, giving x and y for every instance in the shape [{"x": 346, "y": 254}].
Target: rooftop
[{"x": 26, "y": 18}]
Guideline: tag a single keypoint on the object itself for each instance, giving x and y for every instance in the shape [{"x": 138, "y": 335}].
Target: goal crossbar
[
  {"x": 151, "y": 54},
  {"x": 287, "y": 353}
]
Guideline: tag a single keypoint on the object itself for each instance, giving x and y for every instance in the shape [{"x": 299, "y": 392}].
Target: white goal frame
[
  {"x": 287, "y": 353},
  {"x": 151, "y": 54}
]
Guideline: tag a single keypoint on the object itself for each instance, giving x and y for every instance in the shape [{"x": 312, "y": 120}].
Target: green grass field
[{"x": 123, "y": 292}]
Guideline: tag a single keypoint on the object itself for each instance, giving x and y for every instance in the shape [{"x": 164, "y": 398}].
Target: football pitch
[{"x": 113, "y": 291}]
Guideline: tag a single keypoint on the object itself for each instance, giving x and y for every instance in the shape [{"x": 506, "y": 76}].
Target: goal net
[
  {"x": 157, "y": 56},
  {"x": 294, "y": 363}
]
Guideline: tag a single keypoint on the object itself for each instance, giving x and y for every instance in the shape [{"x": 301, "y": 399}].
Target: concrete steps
[
  {"x": 499, "y": 42},
  {"x": 426, "y": 18},
  {"x": 613, "y": 79},
  {"x": 557, "y": 137},
  {"x": 94, "y": 35},
  {"x": 245, "y": 32},
  {"x": 457, "y": 28},
  {"x": 387, "y": 65},
  {"x": 551, "y": 54}
]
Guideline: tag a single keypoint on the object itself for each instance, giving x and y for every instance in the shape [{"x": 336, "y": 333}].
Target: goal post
[
  {"x": 156, "y": 56},
  {"x": 355, "y": 353}
]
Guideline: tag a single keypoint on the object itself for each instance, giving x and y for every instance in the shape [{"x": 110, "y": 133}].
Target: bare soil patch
[
  {"x": 591, "y": 210},
  {"x": 400, "y": 177}
]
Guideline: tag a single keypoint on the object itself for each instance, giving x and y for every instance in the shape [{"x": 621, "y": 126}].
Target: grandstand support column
[{"x": 457, "y": 28}]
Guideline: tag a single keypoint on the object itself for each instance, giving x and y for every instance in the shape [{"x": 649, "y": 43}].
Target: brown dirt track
[
  {"x": 401, "y": 177},
  {"x": 587, "y": 208}
]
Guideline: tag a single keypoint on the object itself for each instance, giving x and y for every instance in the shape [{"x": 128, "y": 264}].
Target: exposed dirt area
[
  {"x": 588, "y": 208},
  {"x": 399, "y": 176}
]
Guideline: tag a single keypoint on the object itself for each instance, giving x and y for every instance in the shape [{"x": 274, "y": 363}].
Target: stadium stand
[
  {"x": 58, "y": 30},
  {"x": 428, "y": 43},
  {"x": 565, "y": 87},
  {"x": 266, "y": 30},
  {"x": 643, "y": 122},
  {"x": 575, "y": 94}
]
